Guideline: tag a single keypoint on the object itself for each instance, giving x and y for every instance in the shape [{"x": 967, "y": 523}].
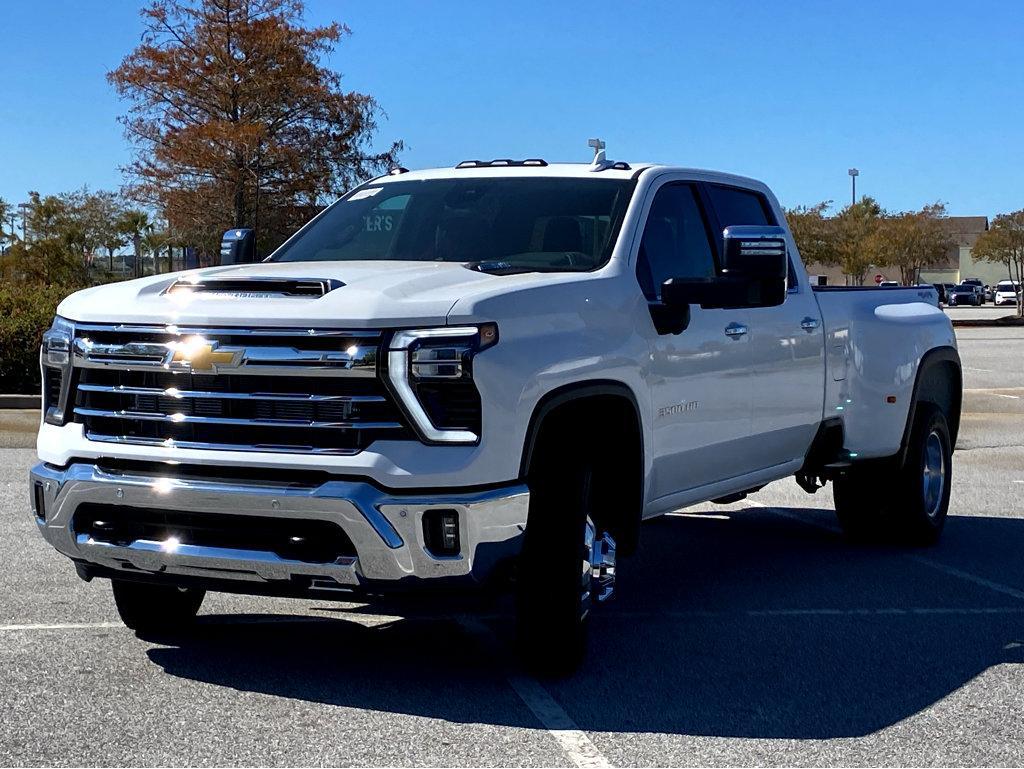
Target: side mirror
[
  {"x": 755, "y": 253},
  {"x": 754, "y": 270},
  {"x": 238, "y": 247}
]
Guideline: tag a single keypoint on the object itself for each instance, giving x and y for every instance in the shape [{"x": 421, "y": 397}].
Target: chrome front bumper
[{"x": 385, "y": 529}]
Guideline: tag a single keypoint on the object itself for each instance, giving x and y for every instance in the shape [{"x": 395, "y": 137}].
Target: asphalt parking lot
[{"x": 743, "y": 634}]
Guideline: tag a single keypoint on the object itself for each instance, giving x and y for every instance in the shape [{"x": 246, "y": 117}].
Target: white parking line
[
  {"x": 967, "y": 576},
  {"x": 710, "y": 516},
  {"x": 880, "y": 611},
  {"x": 63, "y": 626},
  {"x": 954, "y": 611},
  {"x": 573, "y": 741},
  {"x": 992, "y": 391}
]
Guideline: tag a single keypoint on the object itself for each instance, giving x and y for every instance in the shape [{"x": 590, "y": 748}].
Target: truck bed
[{"x": 874, "y": 341}]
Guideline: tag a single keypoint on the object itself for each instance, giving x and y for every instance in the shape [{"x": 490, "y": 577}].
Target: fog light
[
  {"x": 39, "y": 501},
  {"x": 441, "y": 532}
]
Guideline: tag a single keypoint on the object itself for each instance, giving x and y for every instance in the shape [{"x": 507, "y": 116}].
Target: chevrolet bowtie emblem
[{"x": 203, "y": 356}]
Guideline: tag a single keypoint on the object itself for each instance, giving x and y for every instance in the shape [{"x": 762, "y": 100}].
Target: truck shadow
[{"x": 748, "y": 624}]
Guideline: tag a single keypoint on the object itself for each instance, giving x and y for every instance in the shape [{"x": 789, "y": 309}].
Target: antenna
[{"x": 601, "y": 161}]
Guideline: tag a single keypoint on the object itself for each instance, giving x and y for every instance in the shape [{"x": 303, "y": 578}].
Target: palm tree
[{"x": 154, "y": 242}]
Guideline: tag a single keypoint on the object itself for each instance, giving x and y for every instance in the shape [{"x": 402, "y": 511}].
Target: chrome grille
[{"x": 280, "y": 390}]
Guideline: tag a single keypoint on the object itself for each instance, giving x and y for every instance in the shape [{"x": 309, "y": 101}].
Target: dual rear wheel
[{"x": 903, "y": 502}]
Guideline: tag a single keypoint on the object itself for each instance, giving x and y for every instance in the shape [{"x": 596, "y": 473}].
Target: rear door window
[{"x": 736, "y": 206}]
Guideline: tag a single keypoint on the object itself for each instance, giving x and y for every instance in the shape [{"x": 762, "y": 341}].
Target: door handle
[
  {"x": 735, "y": 330},
  {"x": 809, "y": 324}
]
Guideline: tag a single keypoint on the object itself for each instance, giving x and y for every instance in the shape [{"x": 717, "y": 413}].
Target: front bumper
[{"x": 386, "y": 530}]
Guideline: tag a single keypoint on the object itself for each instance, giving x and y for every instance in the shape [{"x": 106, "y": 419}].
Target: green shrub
[{"x": 25, "y": 313}]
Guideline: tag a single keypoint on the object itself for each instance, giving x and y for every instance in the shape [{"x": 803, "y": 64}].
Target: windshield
[
  {"x": 548, "y": 224},
  {"x": 1006, "y": 288}
]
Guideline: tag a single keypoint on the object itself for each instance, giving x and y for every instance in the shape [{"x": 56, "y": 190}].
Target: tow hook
[{"x": 602, "y": 564}]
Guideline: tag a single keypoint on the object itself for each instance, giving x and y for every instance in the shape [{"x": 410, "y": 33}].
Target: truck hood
[{"x": 373, "y": 294}]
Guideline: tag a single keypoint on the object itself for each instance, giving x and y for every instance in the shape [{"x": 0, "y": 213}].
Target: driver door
[{"x": 699, "y": 376}]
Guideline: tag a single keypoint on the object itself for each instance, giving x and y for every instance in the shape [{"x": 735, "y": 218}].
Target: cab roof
[
  {"x": 538, "y": 168},
  {"x": 578, "y": 170}
]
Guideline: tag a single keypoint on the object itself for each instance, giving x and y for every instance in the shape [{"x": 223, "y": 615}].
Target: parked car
[
  {"x": 480, "y": 376},
  {"x": 1007, "y": 292},
  {"x": 940, "y": 288},
  {"x": 978, "y": 286},
  {"x": 963, "y": 294}
]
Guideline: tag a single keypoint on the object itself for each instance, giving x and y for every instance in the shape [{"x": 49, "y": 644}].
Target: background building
[{"x": 957, "y": 265}]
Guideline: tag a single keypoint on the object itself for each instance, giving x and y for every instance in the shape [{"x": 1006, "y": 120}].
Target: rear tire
[
  {"x": 156, "y": 609},
  {"x": 905, "y": 504}
]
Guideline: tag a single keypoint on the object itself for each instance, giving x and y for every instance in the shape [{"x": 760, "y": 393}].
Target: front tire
[
  {"x": 906, "y": 504},
  {"x": 156, "y": 609},
  {"x": 566, "y": 564}
]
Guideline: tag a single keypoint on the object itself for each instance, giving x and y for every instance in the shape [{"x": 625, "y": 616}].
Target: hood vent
[{"x": 256, "y": 287}]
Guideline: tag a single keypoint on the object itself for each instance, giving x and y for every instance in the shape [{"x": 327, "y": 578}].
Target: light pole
[
  {"x": 854, "y": 173},
  {"x": 24, "y": 208}
]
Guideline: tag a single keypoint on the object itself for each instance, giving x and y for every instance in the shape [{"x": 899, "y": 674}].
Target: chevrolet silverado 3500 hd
[{"x": 492, "y": 372}]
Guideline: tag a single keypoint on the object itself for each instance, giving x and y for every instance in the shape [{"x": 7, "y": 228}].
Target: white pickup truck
[{"x": 481, "y": 375}]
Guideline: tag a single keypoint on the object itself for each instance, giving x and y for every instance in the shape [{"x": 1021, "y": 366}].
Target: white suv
[{"x": 1007, "y": 292}]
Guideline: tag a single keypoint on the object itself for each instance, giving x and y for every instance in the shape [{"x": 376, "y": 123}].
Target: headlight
[
  {"x": 431, "y": 371},
  {"x": 55, "y": 366}
]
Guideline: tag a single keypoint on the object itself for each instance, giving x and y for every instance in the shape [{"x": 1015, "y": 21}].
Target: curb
[
  {"x": 1010, "y": 321},
  {"x": 18, "y": 428},
  {"x": 21, "y": 402}
]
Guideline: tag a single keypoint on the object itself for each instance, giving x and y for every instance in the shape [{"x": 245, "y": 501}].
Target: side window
[
  {"x": 736, "y": 206},
  {"x": 675, "y": 242}
]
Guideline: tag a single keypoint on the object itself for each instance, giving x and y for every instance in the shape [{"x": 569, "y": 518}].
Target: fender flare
[
  {"x": 932, "y": 358},
  {"x": 560, "y": 396}
]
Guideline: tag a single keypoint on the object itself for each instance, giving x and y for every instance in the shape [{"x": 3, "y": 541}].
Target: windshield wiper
[
  {"x": 497, "y": 267},
  {"x": 500, "y": 267}
]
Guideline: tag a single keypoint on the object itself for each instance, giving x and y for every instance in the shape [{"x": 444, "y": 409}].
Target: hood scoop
[{"x": 256, "y": 287}]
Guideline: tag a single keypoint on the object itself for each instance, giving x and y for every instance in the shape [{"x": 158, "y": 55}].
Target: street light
[
  {"x": 854, "y": 173},
  {"x": 24, "y": 208}
]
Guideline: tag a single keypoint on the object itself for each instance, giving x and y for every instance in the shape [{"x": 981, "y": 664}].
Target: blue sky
[{"x": 925, "y": 98}]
